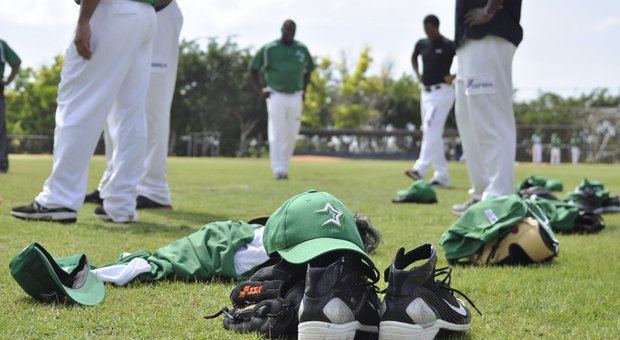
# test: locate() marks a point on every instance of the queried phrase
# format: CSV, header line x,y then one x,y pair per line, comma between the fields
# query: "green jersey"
x,y
150,2
575,141
283,66
537,138
556,141
7,56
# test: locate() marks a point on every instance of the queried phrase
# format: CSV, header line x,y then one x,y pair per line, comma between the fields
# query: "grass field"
x,y
577,296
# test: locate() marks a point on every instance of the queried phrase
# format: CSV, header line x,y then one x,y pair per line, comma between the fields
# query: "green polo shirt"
x,y
7,56
150,2
283,66
556,141
575,141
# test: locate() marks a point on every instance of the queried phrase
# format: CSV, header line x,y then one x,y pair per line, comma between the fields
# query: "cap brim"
x,y
92,292
308,250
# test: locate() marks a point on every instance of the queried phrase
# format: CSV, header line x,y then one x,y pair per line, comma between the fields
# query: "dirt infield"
x,y
317,159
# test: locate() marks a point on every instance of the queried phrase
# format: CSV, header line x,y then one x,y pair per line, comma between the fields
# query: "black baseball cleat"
x,y
37,212
143,202
413,174
100,213
416,305
93,197
340,301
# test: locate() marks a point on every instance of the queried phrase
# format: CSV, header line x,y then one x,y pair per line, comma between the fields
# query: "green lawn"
x,y
577,296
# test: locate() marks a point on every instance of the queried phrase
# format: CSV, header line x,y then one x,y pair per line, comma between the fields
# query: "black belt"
x,y
432,87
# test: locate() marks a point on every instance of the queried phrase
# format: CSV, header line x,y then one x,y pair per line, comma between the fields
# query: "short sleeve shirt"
x,y
575,141
283,66
505,23
7,56
437,56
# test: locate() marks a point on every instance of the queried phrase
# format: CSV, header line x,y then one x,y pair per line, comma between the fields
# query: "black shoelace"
x,y
446,272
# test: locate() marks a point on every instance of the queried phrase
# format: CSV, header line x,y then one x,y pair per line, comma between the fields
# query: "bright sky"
x,y
570,46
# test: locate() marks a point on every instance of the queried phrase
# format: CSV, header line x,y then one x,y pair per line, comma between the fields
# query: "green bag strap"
x,y
541,217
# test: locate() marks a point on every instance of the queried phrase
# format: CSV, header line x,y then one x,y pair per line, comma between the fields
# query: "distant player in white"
x,y
556,154
437,99
575,149
153,189
105,68
285,65
537,148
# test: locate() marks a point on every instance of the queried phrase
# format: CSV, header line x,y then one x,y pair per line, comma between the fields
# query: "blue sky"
x,y
570,46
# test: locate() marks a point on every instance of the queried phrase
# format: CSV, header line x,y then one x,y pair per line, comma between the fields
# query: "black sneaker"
x,y
37,212
609,205
413,174
416,306
340,301
143,202
459,209
93,197
100,212
280,176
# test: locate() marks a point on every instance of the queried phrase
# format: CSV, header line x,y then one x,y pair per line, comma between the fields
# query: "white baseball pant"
x,y
284,112
575,153
537,151
484,114
435,107
555,155
116,76
154,183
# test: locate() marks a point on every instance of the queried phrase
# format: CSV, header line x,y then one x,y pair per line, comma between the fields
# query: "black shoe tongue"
x,y
325,277
404,281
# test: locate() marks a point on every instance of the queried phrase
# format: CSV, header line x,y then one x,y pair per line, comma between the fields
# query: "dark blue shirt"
x,y
505,22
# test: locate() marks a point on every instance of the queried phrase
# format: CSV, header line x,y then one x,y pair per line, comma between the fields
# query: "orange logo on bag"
x,y
250,290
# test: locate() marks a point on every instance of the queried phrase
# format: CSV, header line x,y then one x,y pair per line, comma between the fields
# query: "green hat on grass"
x,y
312,224
419,191
36,271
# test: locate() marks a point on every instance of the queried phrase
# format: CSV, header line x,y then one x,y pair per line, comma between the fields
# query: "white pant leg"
x,y
154,184
277,131
293,123
424,159
537,153
487,77
555,155
575,153
127,126
86,94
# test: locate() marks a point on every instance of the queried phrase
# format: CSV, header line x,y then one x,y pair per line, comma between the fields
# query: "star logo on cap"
x,y
336,216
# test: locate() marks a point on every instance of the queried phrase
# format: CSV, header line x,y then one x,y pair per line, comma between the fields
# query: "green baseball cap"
x,y
311,224
419,191
36,271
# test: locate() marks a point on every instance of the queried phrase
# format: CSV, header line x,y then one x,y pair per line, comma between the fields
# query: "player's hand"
x,y
448,79
82,40
477,16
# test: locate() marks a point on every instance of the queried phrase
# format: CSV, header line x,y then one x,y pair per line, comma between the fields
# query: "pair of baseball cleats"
x,y
340,300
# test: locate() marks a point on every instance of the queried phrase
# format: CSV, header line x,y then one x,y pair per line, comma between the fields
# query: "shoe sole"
x,y
60,217
415,178
104,217
606,210
318,330
394,330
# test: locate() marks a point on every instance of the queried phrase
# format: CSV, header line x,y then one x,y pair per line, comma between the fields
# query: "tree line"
x,y
213,93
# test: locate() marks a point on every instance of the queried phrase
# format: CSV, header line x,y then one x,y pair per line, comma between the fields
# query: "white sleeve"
x,y
252,254
122,274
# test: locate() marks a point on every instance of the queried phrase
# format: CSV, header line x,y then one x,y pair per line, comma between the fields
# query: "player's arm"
x,y
308,72
82,33
256,64
482,15
414,61
14,71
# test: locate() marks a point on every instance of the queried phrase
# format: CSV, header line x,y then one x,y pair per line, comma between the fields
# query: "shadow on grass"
x,y
51,304
195,217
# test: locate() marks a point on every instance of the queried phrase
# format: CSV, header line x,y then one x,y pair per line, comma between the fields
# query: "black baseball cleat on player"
x,y
340,301
416,305
143,202
100,213
413,174
93,197
37,212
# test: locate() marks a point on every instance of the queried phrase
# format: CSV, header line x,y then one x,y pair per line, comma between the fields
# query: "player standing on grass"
x,y
575,149
7,56
486,36
153,189
556,153
537,148
285,65
105,68
437,99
